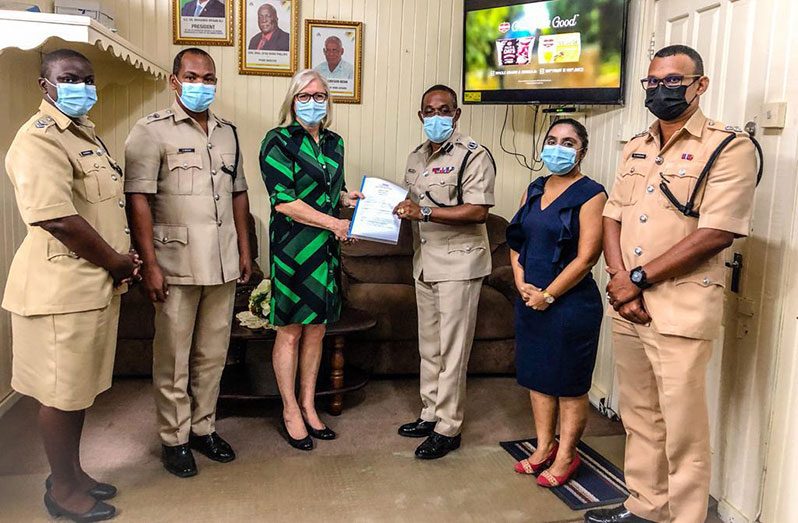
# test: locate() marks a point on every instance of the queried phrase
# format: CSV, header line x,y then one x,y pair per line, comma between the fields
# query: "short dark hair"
x,y
179,57
692,54
443,88
581,130
49,59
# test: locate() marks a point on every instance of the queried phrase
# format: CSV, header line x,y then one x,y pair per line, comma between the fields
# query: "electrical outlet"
x,y
774,115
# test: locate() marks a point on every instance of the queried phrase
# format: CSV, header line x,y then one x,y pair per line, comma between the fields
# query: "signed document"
x,y
373,218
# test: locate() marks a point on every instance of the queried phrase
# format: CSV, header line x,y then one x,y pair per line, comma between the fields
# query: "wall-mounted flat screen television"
x,y
544,51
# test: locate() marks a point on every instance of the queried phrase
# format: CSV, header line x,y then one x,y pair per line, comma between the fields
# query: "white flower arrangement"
x,y
257,317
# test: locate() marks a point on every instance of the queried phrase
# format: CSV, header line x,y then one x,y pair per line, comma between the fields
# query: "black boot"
x,y
618,514
179,460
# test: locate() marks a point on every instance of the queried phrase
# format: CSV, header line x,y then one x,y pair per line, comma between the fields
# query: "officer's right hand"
x,y
154,283
635,311
124,268
341,230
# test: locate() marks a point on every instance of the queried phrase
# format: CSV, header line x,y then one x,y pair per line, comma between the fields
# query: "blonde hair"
x,y
299,82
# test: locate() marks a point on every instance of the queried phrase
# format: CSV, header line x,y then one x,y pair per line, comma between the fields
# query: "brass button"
x,y
210,146
643,218
164,239
185,164
682,172
658,160
97,165
425,173
219,223
632,170
422,197
216,197
121,203
707,281
468,249
114,177
213,172
127,230
638,251
99,152
650,188
423,240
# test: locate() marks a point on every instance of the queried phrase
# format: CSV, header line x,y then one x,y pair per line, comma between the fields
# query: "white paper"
x,y
373,218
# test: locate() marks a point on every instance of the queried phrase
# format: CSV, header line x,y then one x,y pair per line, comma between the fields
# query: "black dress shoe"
x,y
326,433
437,446
212,446
417,429
179,460
99,512
618,514
302,444
101,491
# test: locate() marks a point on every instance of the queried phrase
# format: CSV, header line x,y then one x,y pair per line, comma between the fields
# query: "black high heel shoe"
x,y
99,512
326,433
302,444
100,491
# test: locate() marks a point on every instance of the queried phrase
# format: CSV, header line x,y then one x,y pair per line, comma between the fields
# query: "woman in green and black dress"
x,y
302,164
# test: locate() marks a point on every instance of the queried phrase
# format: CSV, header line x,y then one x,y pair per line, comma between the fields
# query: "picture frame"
x,y
335,49
196,24
268,34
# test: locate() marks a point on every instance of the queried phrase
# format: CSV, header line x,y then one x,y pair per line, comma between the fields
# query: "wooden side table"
x,y
236,383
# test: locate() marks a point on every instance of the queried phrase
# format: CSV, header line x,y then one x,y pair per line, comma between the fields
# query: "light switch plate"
x,y
774,115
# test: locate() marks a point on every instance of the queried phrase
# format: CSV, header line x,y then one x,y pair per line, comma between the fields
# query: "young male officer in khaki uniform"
x,y
189,214
451,180
666,288
65,282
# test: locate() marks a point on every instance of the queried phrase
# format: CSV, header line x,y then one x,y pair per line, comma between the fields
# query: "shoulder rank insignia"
x,y
443,170
472,145
43,122
641,134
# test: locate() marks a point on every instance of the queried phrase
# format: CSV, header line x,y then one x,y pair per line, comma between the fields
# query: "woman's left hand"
x,y
349,199
537,301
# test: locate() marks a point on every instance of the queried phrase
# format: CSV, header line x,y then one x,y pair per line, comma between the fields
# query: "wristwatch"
x,y
548,298
426,212
638,277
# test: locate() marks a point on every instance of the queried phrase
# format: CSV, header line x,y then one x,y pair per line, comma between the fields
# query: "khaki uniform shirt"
x,y
690,305
59,168
450,252
169,156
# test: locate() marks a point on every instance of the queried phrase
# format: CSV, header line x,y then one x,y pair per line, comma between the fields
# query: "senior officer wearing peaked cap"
x,y
667,279
189,212
451,179
65,281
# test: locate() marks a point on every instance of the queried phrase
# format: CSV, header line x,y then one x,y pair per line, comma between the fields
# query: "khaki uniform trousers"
x,y
662,382
192,333
447,318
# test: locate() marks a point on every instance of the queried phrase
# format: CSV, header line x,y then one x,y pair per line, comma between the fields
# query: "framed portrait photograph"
x,y
202,22
335,49
268,37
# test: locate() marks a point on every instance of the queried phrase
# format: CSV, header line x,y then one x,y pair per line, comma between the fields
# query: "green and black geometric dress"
x,y
305,260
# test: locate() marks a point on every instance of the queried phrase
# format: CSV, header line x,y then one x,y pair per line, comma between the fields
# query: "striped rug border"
x,y
574,493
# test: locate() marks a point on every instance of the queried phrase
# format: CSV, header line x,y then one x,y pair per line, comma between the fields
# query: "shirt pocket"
x,y
182,169
443,192
171,249
100,182
681,180
628,186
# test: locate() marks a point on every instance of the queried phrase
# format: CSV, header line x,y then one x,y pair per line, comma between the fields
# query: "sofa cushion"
x,y
494,316
393,305
379,269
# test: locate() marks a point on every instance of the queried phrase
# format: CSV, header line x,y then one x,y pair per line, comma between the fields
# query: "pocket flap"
x,y
89,164
55,249
183,160
705,278
170,234
465,245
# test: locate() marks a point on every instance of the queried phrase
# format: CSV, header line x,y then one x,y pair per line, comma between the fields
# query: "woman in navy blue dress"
x,y
555,240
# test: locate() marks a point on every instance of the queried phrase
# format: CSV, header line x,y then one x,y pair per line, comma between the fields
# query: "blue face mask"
x,y
197,97
438,128
74,100
310,112
558,159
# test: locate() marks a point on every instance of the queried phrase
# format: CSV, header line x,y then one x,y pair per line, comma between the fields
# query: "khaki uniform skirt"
x,y
65,360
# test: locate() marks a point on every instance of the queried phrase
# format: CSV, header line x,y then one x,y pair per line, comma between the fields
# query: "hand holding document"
x,y
373,218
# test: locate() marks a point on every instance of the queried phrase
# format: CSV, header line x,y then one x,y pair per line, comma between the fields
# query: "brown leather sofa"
x,y
378,278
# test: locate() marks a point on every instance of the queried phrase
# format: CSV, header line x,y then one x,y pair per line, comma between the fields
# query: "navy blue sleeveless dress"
x,y
556,348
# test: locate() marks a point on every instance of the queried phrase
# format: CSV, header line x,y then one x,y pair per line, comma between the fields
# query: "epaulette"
x,y
640,134
720,126
160,115
418,148
44,122
224,121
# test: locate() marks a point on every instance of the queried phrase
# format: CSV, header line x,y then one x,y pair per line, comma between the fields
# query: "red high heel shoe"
x,y
549,480
527,467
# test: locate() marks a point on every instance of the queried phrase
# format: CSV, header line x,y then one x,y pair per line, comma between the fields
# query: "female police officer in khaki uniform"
x,y
64,284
